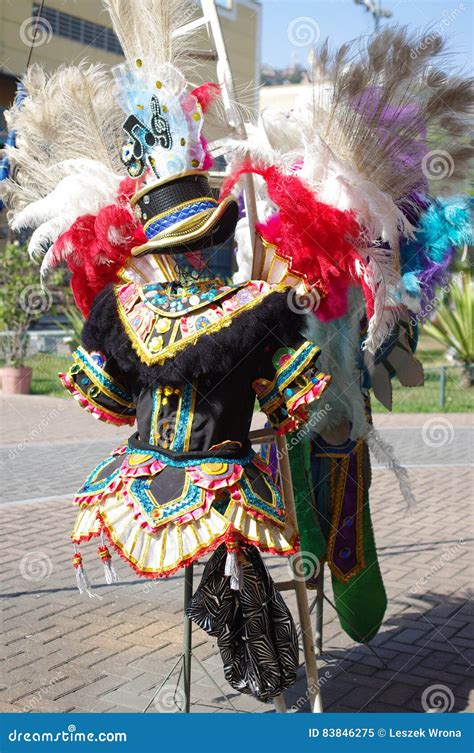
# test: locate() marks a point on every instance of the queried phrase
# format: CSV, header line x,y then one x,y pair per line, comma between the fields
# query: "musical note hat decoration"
x,y
164,146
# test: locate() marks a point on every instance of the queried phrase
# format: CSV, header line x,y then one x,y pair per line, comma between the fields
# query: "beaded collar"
x,y
174,299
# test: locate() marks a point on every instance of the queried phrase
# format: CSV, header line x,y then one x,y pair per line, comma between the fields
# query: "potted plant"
x,y
73,326
22,302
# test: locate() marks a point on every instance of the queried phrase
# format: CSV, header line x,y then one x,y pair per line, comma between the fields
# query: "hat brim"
x,y
212,226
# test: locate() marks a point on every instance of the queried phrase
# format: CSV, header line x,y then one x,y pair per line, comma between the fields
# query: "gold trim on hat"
x,y
177,207
188,230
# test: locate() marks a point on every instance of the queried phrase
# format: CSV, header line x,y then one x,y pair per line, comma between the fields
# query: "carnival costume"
x,y
110,168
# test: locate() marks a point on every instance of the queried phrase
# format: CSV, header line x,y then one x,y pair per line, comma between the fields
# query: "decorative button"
x,y
156,343
214,469
345,553
163,325
136,458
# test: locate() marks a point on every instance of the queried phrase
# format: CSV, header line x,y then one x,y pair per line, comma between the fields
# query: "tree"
x,y
23,300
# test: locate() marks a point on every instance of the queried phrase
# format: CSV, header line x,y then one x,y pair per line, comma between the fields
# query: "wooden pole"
x,y
299,584
235,121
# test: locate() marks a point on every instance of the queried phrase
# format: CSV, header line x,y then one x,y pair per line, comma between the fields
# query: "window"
x,y
80,30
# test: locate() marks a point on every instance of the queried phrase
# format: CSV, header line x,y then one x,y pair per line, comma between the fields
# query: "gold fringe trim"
x,y
171,350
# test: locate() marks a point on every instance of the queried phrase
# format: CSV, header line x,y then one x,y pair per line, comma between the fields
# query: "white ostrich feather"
x,y
86,187
384,454
383,280
68,115
147,29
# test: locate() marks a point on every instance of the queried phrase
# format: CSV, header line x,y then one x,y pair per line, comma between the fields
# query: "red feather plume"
x,y
318,240
96,246
207,94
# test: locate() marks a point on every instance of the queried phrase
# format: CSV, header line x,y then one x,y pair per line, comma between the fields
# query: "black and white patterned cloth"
x,y
255,631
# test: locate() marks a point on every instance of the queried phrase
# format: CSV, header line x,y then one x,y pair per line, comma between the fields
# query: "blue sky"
x,y
342,20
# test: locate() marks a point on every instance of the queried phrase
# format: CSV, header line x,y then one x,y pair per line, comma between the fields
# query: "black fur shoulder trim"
x,y
270,323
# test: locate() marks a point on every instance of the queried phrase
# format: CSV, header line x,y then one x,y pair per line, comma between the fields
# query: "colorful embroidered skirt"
x,y
161,513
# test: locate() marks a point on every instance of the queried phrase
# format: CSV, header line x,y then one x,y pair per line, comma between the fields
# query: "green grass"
x,y
426,399
46,368
429,351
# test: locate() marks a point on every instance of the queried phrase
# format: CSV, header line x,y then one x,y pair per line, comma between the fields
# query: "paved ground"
x,y
65,652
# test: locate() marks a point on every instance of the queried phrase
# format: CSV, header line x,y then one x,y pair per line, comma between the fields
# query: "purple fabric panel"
x,y
345,544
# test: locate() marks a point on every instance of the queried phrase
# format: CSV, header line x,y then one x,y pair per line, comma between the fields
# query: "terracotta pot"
x,y
15,380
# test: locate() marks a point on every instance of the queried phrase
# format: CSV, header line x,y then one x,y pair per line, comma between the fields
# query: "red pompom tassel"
x,y
109,570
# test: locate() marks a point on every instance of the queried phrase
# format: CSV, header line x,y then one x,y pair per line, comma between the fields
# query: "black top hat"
x,y
181,213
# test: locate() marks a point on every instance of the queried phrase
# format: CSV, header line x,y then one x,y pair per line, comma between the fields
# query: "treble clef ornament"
x,y
143,138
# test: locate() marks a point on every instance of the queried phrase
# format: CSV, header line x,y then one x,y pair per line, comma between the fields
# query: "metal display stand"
x,y
182,700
